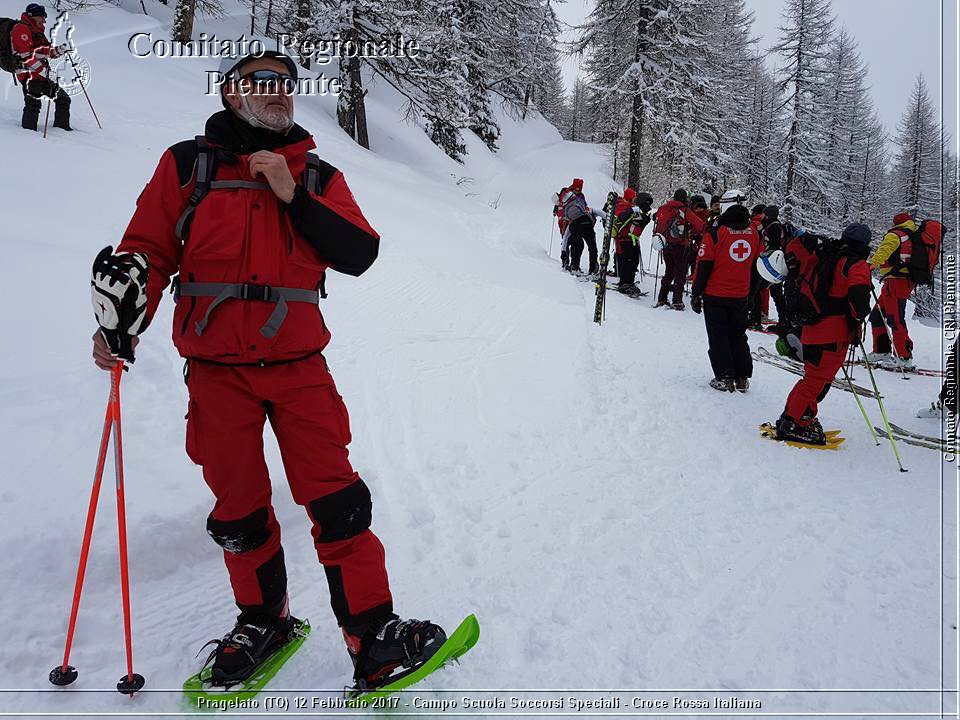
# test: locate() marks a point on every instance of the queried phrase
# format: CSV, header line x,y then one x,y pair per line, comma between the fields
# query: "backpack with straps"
x,y
925,244
8,59
815,279
316,175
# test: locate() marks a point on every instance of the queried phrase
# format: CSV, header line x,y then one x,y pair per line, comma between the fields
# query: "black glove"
x,y
696,303
119,293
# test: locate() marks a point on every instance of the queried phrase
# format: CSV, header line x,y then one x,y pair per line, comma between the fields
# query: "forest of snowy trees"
x,y
687,97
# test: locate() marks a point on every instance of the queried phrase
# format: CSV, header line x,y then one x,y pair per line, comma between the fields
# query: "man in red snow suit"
x,y
33,53
827,339
251,254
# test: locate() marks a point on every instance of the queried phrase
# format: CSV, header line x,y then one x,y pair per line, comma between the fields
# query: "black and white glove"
x,y
119,292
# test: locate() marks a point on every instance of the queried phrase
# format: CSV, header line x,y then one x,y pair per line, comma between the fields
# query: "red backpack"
x,y
922,248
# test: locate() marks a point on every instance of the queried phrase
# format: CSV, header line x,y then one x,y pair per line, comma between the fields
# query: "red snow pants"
x,y
229,406
820,366
892,307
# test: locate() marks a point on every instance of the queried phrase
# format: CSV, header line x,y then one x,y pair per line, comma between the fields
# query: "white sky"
x,y
897,38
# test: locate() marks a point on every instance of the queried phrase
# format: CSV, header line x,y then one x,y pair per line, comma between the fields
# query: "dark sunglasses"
x,y
269,82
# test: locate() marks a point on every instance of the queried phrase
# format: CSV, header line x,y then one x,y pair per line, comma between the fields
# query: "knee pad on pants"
x,y
242,535
343,514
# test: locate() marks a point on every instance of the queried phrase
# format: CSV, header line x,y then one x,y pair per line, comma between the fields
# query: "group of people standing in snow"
x,y
736,259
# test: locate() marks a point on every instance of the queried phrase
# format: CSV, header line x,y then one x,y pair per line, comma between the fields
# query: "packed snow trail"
x,y
611,520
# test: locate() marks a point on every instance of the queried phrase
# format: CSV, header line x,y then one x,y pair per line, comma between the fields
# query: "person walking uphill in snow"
x,y
723,283
580,221
672,227
250,222
33,53
845,297
891,257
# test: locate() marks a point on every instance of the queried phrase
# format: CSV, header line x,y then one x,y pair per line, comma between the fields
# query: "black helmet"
x,y
857,237
35,10
698,201
680,195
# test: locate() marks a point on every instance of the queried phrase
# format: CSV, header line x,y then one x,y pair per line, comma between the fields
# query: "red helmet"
x,y
577,184
901,218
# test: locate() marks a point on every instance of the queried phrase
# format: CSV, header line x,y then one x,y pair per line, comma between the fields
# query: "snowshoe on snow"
x,y
723,384
678,306
630,290
831,438
238,654
397,648
810,434
742,384
458,644
202,686
660,303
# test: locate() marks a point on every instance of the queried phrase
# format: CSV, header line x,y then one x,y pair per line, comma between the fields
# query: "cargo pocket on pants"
x,y
193,434
339,410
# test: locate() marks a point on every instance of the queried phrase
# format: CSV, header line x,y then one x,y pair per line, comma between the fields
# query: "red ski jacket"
x,y
247,236
727,256
848,304
32,49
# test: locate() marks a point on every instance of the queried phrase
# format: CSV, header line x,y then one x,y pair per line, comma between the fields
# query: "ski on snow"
x,y
792,366
919,440
198,688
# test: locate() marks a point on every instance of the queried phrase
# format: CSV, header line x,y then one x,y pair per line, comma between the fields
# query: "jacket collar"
x,y
226,130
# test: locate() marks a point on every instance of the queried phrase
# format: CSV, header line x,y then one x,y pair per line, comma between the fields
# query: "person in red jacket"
x,y
34,52
672,227
724,280
826,341
250,255
631,215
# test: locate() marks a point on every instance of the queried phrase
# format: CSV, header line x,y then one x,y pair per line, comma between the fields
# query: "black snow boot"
x,y
628,289
789,429
241,651
678,306
742,384
405,644
30,119
723,384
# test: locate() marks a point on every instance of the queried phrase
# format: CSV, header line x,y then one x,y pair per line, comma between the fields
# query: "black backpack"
x,y
8,60
815,279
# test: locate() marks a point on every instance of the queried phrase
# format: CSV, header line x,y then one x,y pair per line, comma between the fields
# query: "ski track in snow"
x,y
612,521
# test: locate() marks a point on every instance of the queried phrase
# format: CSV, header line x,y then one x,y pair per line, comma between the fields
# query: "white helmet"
x,y
772,266
732,197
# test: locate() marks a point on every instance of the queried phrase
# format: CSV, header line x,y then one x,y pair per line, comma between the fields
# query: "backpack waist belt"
x,y
248,291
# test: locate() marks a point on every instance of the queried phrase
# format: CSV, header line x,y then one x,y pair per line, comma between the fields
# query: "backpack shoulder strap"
x,y
317,174
205,171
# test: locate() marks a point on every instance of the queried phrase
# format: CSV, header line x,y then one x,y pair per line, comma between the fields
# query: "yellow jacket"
x,y
887,247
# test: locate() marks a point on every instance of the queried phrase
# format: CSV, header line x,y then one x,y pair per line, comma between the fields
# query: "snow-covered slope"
x,y
612,521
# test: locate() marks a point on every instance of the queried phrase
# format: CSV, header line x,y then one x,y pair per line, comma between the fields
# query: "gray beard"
x,y
269,120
